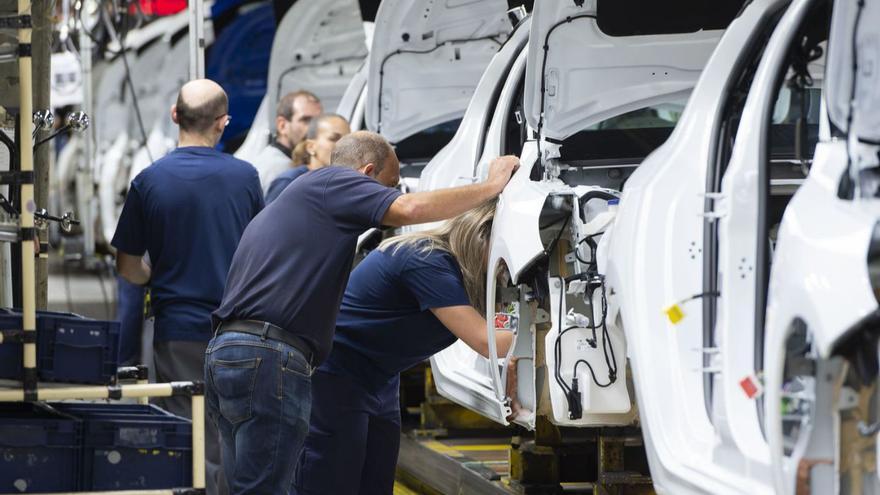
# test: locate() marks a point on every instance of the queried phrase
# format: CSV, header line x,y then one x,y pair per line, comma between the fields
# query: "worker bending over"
x,y
313,152
187,211
407,300
276,321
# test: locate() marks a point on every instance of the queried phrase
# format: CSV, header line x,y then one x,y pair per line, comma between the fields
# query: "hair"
x,y
299,154
198,119
285,104
466,238
360,148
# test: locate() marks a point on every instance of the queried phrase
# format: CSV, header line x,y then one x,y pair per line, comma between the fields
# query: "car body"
x,y
737,272
539,104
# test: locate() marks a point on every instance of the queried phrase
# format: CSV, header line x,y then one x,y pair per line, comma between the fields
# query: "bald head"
x,y
199,105
370,153
360,148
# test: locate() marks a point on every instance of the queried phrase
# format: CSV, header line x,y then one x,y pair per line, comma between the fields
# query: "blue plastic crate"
x,y
39,449
70,348
132,446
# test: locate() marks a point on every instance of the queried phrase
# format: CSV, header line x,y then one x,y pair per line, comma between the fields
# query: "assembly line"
x,y
463,247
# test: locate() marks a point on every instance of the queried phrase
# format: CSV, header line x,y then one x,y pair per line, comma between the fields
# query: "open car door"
x,y
600,103
425,62
318,46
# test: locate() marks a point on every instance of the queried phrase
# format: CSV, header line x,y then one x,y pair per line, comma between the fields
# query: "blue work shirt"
x,y
295,257
188,211
385,324
283,180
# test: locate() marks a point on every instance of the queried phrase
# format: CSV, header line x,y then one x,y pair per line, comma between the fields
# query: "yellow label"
x,y
674,313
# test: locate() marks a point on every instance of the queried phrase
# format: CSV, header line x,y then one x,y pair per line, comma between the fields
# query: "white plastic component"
x,y
606,406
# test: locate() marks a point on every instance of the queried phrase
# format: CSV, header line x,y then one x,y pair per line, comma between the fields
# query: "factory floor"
x,y
82,292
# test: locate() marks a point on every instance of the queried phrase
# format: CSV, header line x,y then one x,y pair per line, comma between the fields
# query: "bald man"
x,y
278,315
188,211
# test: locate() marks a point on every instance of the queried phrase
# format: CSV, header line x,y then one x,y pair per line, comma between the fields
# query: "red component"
x,y
158,8
502,321
749,387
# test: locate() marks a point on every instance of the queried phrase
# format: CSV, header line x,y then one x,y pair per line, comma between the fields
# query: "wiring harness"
x,y
595,281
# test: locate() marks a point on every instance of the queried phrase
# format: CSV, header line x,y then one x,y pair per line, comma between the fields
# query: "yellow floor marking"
x,y
401,489
442,448
465,448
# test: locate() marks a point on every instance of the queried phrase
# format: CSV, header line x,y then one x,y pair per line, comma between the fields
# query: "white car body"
x,y
591,78
694,219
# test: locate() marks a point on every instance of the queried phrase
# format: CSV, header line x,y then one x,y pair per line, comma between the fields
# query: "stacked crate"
x,y
77,446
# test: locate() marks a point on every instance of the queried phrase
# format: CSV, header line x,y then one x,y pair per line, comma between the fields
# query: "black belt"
x,y
266,330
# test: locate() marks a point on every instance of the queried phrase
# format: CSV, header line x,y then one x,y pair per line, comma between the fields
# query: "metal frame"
x,y
29,390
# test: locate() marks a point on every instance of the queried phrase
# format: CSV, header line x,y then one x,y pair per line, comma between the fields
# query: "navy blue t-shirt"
x,y
283,180
295,257
188,211
385,324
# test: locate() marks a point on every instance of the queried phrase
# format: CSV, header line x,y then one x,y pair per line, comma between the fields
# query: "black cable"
x,y
607,348
10,145
52,136
589,240
552,245
310,65
122,32
546,48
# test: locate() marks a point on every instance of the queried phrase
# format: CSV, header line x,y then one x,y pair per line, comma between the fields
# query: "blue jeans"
x,y
354,437
258,392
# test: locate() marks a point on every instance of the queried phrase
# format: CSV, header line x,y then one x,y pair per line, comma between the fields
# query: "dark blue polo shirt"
x,y
385,324
188,211
283,180
295,257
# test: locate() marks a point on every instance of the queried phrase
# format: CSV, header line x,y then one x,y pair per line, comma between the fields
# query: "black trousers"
x,y
353,440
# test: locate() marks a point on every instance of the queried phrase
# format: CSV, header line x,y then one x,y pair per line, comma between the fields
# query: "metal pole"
x,y
85,183
196,39
173,491
94,392
41,36
26,204
198,439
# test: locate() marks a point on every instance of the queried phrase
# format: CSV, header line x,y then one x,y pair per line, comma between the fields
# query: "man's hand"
x,y
501,169
431,206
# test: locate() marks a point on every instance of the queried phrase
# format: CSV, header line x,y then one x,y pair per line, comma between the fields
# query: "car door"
x,y
424,65
598,103
318,46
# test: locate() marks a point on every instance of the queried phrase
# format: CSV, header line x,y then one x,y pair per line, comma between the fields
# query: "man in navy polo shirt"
x,y
276,321
187,211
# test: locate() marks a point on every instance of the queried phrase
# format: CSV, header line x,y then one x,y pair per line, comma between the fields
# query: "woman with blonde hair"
x,y
412,297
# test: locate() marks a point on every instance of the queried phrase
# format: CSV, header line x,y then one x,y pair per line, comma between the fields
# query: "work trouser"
x,y
184,361
258,392
354,437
